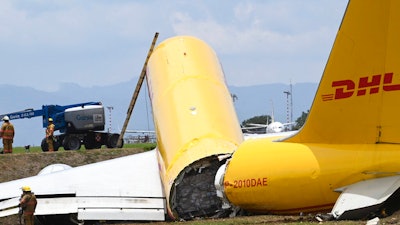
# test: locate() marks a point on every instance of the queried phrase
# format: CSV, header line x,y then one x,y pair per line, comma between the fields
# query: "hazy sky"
x,y
45,43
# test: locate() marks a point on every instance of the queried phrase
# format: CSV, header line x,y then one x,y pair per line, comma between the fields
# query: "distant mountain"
x,y
252,101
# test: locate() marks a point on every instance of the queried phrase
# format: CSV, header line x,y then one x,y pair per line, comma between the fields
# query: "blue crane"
x,y
77,124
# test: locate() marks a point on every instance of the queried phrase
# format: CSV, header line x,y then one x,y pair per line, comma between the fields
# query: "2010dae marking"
x,y
250,182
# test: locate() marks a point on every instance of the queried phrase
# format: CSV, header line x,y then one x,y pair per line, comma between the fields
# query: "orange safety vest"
x,y
7,131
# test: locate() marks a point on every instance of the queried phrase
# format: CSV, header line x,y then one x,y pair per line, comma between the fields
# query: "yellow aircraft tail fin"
x,y
358,97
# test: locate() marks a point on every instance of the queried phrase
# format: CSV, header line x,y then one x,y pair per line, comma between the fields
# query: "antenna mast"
x,y
289,104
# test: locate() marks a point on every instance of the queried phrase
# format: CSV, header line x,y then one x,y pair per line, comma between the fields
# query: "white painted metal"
x,y
281,134
9,207
130,182
365,193
121,214
54,168
71,204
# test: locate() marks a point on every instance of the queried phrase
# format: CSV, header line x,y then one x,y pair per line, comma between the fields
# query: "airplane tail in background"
x,y
357,99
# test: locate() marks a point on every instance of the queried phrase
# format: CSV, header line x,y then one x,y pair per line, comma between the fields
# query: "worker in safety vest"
x,y
50,135
7,133
28,204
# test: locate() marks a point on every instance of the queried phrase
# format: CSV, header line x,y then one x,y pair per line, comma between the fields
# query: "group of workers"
x,y
28,200
7,133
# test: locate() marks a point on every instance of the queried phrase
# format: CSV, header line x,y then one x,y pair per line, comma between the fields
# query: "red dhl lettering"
x,y
248,183
366,85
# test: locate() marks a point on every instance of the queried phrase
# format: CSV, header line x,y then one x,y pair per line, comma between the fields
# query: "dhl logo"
x,y
370,85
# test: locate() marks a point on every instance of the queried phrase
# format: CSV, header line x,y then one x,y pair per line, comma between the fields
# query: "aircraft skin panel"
x,y
351,133
80,180
356,197
185,82
355,101
190,100
89,208
122,214
288,178
126,182
8,207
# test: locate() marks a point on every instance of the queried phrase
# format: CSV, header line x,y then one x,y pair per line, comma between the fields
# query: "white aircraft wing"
x,y
255,125
359,199
267,135
126,188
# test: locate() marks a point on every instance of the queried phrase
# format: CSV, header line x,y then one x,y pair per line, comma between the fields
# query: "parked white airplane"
x,y
273,127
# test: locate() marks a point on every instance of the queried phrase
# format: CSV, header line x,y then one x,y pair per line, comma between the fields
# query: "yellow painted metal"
x,y
352,132
276,177
356,101
193,110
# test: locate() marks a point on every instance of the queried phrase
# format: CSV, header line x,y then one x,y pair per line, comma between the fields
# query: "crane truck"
x,y
77,124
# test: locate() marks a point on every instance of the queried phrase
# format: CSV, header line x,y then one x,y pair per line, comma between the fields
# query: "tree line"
x,y
267,119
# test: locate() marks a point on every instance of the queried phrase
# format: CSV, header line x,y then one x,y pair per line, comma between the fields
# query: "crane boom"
x,y
27,113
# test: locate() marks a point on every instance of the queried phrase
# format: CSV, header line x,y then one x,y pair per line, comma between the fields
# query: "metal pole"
x,y
287,106
136,92
109,111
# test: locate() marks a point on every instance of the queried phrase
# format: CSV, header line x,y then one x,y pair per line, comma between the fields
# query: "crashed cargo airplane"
x,y
202,167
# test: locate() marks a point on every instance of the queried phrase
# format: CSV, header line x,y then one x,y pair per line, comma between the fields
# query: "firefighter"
x,y
7,133
50,135
28,204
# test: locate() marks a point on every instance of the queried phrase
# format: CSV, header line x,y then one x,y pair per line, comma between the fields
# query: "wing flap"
x,y
9,207
99,208
360,199
121,214
129,185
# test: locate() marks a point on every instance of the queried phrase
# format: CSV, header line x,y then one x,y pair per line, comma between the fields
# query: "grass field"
x,y
32,149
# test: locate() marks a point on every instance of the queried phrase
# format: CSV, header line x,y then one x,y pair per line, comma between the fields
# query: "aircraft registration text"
x,y
248,183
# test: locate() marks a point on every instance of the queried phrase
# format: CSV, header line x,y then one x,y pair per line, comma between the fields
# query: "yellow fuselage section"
x,y
193,110
287,178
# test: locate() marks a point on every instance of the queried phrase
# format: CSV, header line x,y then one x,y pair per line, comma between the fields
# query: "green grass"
x,y
145,146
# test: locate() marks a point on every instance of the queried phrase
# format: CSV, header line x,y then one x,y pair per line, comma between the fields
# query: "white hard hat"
x,y
6,118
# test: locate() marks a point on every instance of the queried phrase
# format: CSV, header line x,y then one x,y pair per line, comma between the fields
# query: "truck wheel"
x,y
71,143
113,140
56,144
44,145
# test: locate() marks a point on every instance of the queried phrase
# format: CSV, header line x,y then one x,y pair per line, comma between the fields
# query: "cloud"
x,y
105,42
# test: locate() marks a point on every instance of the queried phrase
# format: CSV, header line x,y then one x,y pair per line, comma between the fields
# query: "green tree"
x,y
301,120
263,119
